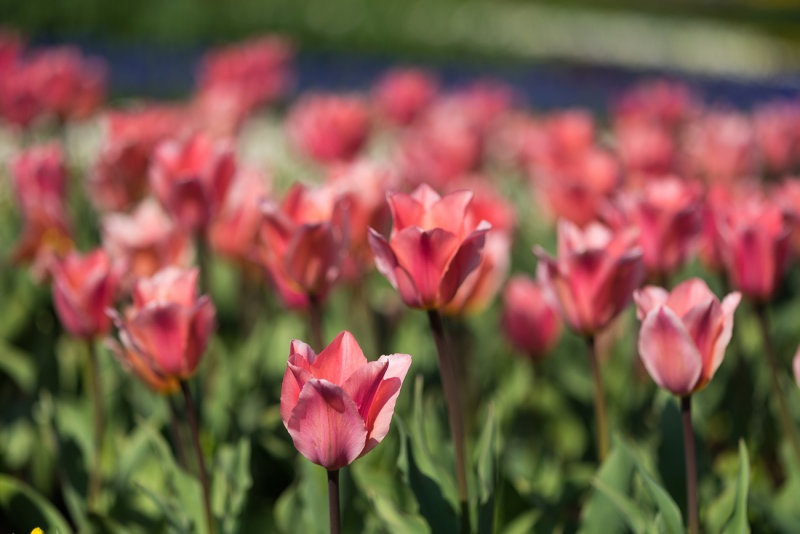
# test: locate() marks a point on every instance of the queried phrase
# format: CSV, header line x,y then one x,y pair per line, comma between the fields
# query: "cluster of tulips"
x,y
413,181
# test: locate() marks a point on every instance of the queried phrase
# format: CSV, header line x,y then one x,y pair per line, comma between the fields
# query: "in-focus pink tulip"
x,y
755,245
402,94
594,274
164,333
433,247
329,128
480,287
530,319
336,405
684,333
119,176
303,242
667,213
191,178
235,231
83,288
146,240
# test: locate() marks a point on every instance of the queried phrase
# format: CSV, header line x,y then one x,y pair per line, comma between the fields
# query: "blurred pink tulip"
x,y
303,242
235,231
10,48
668,103
191,178
83,288
402,94
433,246
119,177
684,334
164,333
146,240
530,319
645,148
796,367
755,245
336,405
719,146
329,128
777,133
594,274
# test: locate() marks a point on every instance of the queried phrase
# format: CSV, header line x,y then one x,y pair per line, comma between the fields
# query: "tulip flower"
x,y
682,343
684,334
592,279
530,320
594,274
796,367
83,288
329,128
720,147
402,94
336,405
433,246
665,102
191,179
164,333
146,240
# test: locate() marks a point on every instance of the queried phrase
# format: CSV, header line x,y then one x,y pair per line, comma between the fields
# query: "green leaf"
x,y
231,483
19,366
670,513
486,466
25,504
738,523
632,512
601,514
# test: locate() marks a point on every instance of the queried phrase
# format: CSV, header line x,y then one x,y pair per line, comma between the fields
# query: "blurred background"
x,y
555,52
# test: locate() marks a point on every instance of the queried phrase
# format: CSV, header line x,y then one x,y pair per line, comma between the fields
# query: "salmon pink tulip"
x,y
336,405
329,128
433,247
594,275
402,94
684,334
530,319
796,367
164,333
83,288
191,178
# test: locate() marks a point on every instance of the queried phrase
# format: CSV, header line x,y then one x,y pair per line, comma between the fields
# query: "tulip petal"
x,y
325,425
448,213
466,259
303,350
340,359
387,264
668,353
203,317
616,287
648,298
406,211
161,330
558,290
425,255
687,295
294,378
796,366
729,305
312,257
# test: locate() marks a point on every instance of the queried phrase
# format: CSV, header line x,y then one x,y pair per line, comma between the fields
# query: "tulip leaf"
x,y
670,513
433,506
601,514
630,510
231,483
487,478
29,507
738,523
19,366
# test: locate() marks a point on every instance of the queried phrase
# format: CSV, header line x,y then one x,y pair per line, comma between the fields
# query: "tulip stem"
x,y
691,464
191,418
601,423
177,435
333,501
783,409
315,317
203,263
98,417
450,386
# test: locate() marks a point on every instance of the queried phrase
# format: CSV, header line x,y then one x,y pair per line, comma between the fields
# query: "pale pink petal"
x,y
668,353
796,366
729,305
448,213
303,350
648,298
387,264
339,360
379,417
203,321
406,211
296,375
689,294
325,425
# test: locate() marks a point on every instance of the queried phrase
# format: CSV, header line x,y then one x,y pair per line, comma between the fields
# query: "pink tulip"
x,y
433,246
796,367
83,288
664,102
594,275
778,135
720,146
337,406
10,49
191,178
402,94
329,128
755,245
146,240
684,334
530,319
303,243
164,333
645,147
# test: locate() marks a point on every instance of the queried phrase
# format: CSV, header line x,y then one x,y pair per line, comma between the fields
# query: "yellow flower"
x,y
37,530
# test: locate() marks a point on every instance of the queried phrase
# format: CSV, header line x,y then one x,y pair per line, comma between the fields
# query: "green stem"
x,y
333,501
601,423
315,321
691,464
450,386
98,418
175,430
783,409
191,418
